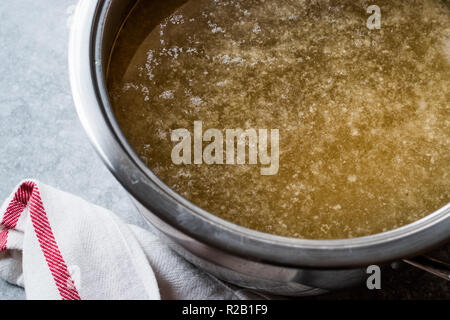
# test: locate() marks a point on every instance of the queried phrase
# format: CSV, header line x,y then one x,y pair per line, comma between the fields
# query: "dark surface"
x,y
402,281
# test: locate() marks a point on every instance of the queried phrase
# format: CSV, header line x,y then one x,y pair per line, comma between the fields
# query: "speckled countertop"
x,y
41,137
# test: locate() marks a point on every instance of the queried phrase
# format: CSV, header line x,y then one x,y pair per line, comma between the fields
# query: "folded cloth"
x,y
58,246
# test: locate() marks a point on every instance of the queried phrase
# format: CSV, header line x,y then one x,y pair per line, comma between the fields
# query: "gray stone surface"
x,y
40,135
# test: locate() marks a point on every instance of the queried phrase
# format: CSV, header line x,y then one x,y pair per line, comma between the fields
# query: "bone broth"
x,y
355,99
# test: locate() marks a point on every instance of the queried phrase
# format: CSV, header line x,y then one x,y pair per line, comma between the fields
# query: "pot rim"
x,y
91,99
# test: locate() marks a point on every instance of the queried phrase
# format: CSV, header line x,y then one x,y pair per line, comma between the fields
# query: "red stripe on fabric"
x,y
28,194
3,238
12,214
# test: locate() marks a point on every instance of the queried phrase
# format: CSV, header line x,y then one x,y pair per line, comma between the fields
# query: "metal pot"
x,y
241,256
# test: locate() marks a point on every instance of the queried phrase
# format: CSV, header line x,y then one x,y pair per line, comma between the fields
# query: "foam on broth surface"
x,y
364,115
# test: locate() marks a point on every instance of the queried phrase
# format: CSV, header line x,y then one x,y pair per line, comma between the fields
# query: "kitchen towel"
x,y
59,246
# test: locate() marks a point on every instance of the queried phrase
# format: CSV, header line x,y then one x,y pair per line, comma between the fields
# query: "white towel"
x,y
58,246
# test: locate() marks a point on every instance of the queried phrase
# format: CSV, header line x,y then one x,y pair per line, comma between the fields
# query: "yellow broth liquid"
x,y
363,115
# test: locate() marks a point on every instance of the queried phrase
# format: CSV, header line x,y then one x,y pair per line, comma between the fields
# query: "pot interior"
x,y
362,133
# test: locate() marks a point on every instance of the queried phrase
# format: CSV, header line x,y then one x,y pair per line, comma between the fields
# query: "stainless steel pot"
x,y
244,257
